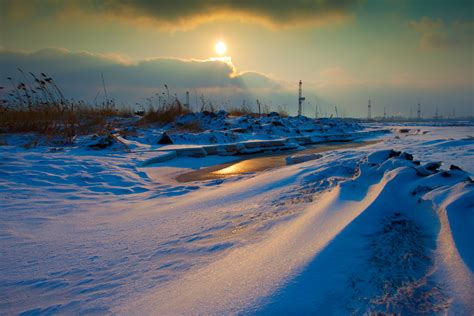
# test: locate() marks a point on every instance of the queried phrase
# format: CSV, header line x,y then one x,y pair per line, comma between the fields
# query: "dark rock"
x,y
432,166
454,167
422,172
445,174
406,156
102,142
277,123
165,139
274,114
239,130
210,114
394,153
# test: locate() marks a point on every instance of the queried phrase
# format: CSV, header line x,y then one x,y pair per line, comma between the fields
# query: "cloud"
x,y
79,74
435,33
187,14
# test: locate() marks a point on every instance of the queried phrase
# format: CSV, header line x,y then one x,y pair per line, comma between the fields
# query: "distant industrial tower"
x,y
300,98
418,112
318,110
369,111
187,99
436,114
384,114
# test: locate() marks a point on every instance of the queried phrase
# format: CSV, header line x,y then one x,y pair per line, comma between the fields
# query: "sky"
x,y
395,53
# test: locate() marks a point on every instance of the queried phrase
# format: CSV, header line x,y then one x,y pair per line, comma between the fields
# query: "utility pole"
x,y
317,106
369,111
300,98
418,112
187,99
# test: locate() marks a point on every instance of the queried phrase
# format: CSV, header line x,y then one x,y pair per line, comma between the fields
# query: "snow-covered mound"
x,y
211,128
195,130
376,242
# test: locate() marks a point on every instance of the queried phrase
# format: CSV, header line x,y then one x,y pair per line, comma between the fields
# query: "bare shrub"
x,y
244,109
283,111
164,114
37,104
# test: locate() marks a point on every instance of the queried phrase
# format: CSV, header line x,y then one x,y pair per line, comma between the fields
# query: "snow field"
x,y
95,232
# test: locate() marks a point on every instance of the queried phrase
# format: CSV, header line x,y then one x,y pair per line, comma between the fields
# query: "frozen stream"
x,y
261,162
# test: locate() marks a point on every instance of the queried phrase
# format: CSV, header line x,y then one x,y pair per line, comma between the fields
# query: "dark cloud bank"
x,y
276,11
185,14
79,75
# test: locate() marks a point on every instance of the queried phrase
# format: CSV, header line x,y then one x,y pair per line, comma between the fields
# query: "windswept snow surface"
x,y
356,231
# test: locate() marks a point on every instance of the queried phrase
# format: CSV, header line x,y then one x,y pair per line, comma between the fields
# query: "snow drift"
x,y
361,230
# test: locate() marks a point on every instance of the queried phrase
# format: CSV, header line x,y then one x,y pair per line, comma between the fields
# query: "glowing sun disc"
x,y
221,48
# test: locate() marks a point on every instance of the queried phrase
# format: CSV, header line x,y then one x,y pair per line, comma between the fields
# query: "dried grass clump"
x,y
244,109
37,104
191,126
164,114
283,111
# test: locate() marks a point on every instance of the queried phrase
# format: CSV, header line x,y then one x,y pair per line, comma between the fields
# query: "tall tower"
x,y
187,99
384,114
418,112
436,114
300,98
369,111
159,100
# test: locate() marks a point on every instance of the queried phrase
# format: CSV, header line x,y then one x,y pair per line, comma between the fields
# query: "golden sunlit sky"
x,y
395,53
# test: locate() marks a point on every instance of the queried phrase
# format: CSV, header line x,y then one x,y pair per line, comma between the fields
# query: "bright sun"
x,y
220,48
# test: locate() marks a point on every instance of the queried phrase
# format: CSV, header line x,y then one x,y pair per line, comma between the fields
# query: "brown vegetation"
x,y
40,106
164,114
191,126
37,104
